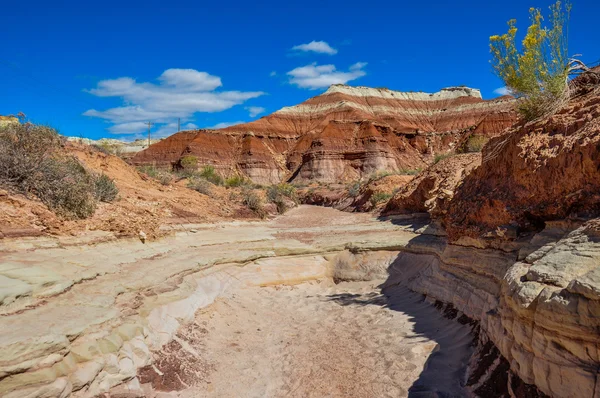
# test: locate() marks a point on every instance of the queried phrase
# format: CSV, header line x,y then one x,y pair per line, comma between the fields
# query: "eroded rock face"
x,y
346,133
544,170
432,190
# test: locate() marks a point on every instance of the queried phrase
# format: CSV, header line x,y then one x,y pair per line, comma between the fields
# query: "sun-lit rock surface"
x,y
343,134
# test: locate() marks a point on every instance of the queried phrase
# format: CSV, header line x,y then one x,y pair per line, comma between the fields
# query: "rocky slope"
x,y
143,204
522,256
544,170
344,134
433,188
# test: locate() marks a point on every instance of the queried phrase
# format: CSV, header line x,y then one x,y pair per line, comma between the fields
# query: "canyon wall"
x,y
343,134
522,252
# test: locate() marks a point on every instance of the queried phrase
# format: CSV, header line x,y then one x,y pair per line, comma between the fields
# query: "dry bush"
x,y
379,197
32,161
277,194
252,201
475,143
67,188
201,185
105,189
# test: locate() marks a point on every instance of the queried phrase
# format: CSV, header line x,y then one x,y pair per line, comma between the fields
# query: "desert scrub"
x,y
538,71
209,173
67,188
108,148
251,200
379,197
164,177
354,189
441,156
277,194
32,161
188,162
236,181
105,189
409,172
475,143
200,184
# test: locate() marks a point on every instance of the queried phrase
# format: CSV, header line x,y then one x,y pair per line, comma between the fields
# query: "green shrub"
x,y
105,189
378,175
200,184
379,197
236,181
164,177
538,72
409,172
189,162
209,173
149,170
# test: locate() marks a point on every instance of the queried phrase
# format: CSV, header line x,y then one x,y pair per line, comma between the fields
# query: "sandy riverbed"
x,y
317,340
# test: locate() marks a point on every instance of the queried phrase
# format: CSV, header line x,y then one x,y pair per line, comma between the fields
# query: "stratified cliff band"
x,y
343,134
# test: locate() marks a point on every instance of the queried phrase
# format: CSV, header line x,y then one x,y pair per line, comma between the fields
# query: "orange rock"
x,y
343,134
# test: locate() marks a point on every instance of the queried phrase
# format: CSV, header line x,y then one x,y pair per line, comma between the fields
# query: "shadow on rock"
x,y
445,370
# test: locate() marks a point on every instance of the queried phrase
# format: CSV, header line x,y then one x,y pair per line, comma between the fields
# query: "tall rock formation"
x,y
343,134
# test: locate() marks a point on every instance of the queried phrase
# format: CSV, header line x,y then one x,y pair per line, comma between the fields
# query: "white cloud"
x,y
502,91
180,93
190,79
317,47
315,76
128,128
273,73
358,66
255,110
222,125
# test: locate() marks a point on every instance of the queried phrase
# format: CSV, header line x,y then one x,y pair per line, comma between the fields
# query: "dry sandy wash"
x,y
325,340
239,309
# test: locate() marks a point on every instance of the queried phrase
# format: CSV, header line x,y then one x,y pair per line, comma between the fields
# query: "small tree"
x,y
537,74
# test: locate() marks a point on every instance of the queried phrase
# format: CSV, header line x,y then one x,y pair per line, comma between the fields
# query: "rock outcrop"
x,y
344,134
433,188
539,171
522,255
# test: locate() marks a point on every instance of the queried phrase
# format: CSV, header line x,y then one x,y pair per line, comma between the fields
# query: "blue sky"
x,y
102,68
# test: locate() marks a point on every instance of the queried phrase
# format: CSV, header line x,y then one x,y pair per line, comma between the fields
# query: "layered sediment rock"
x,y
522,256
343,134
543,170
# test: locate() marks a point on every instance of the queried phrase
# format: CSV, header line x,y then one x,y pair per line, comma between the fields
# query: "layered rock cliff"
x,y
344,134
522,255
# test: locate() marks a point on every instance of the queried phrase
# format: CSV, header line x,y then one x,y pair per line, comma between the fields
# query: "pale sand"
x,y
321,340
